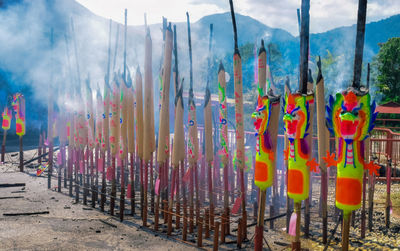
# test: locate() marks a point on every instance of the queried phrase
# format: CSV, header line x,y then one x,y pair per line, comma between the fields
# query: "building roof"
x,y
389,107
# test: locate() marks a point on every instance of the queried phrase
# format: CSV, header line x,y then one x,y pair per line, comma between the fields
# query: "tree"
x,y
388,66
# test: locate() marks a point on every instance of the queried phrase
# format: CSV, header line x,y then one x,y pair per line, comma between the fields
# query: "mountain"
x,y
342,40
29,58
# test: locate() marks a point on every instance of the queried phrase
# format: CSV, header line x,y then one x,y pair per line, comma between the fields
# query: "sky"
x,y
325,14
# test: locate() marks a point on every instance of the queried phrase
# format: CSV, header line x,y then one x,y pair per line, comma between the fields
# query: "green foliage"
x,y
388,70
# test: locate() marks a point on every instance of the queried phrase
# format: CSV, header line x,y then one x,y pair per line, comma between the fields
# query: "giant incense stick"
x,y
62,135
148,117
98,136
193,141
91,133
223,127
105,146
71,144
178,151
139,127
267,120
297,127
105,141
125,102
82,133
208,130
123,152
148,113
262,68
323,146
163,131
367,153
131,137
351,117
89,115
114,136
163,176
50,108
238,83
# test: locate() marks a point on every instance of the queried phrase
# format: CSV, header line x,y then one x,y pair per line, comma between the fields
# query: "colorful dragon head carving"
x,y
296,115
18,105
350,118
263,176
7,116
296,118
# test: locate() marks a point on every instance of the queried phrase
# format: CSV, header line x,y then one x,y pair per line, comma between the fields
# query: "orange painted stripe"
x,y
295,181
348,191
261,171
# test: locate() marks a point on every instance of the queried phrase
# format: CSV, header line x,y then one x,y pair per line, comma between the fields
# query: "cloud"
x,y
325,15
174,10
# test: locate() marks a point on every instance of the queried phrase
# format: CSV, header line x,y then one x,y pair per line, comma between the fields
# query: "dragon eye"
x,y
355,113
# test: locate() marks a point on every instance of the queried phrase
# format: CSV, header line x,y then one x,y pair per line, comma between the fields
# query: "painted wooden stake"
x,y
185,222
92,179
70,167
78,153
178,204
3,147
207,223
200,232
363,211
388,184
216,233
346,230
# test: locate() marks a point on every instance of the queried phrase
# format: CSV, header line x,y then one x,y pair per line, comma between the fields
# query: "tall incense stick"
x,y
240,154
193,141
209,146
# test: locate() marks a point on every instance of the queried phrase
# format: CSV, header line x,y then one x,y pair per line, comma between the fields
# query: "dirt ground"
x,y
67,226
70,226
